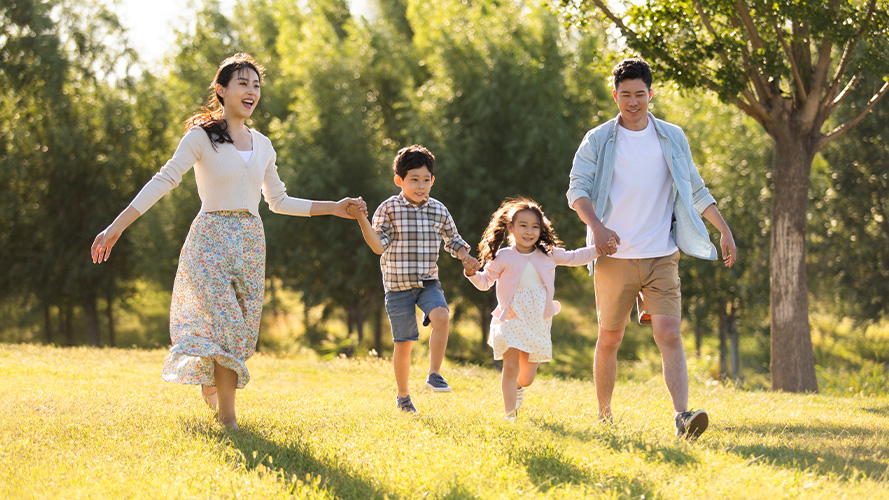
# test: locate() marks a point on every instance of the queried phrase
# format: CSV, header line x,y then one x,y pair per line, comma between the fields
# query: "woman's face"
x,y
241,95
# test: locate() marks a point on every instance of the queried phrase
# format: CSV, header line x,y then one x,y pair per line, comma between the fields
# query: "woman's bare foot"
x,y
230,424
209,395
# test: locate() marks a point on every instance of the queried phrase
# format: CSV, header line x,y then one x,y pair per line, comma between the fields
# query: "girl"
x,y
218,291
525,273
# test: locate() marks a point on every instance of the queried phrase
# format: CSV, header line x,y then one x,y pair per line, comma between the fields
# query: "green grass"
x,y
100,423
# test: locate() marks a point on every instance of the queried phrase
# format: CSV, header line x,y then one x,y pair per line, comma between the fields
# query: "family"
x,y
632,183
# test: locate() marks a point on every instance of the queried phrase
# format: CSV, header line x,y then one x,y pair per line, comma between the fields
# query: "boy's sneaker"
x,y
437,383
691,424
519,397
405,404
510,417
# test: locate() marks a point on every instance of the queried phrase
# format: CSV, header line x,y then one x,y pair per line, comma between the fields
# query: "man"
x,y
633,180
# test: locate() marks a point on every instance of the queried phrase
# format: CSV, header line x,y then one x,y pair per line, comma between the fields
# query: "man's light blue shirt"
x,y
593,170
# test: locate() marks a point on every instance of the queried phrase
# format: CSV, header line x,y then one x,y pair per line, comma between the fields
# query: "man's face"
x,y
632,98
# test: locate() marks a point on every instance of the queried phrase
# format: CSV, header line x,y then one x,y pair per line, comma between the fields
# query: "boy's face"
x,y
416,184
632,97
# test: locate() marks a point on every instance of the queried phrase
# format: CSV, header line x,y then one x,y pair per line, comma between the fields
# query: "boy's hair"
x,y
632,69
412,157
496,232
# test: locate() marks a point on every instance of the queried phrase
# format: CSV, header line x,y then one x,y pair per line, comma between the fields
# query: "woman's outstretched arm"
x,y
101,249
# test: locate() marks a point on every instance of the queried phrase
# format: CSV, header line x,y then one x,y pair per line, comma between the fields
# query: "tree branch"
x,y
794,67
753,72
847,53
833,134
842,95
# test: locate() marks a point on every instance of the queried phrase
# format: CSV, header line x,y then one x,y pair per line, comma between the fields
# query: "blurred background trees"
x,y
502,92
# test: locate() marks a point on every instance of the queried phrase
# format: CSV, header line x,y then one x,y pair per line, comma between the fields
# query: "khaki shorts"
x,y
651,283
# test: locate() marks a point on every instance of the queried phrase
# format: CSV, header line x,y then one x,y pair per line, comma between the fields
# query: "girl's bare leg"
x,y
509,376
527,370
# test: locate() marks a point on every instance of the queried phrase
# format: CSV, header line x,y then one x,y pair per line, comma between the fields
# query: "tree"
x,y
789,65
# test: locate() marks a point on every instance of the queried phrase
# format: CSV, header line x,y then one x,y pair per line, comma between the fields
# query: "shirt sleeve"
x,y
189,151
382,224
485,278
275,193
583,171
452,240
578,257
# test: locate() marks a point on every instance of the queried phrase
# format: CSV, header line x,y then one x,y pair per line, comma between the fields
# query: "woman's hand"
x,y
347,208
105,240
101,249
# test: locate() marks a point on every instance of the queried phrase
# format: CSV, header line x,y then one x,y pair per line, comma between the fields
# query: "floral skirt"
x,y
525,328
217,298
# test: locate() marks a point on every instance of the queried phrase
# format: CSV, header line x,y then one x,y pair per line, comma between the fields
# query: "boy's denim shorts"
x,y
401,307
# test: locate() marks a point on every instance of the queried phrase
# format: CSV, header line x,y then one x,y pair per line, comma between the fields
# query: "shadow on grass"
x,y
878,410
620,440
548,468
294,461
847,462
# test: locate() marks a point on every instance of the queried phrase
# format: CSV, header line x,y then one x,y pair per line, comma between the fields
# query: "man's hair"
x,y
632,69
412,157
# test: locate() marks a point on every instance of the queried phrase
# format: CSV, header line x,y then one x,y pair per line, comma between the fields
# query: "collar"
x,y
616,120
408,203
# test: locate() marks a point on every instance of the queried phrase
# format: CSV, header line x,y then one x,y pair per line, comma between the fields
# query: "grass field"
x,y
100,423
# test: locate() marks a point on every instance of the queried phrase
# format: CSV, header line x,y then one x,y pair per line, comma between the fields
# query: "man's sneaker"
x,y
510,417
437,383
691,424
519,397
405,404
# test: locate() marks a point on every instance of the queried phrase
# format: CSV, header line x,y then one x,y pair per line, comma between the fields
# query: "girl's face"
x,y
525,230
241,95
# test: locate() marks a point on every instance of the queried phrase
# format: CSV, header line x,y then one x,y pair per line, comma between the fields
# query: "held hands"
x,y
355,209
348,208
729,250
606,240
470,264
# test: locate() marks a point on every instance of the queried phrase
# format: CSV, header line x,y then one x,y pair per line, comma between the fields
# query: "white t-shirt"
x,y
641,196
245,155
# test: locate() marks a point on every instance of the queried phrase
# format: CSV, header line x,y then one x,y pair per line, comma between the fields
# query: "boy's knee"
x,y
439,316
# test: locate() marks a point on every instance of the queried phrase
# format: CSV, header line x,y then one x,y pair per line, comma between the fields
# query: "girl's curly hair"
x,y
496,233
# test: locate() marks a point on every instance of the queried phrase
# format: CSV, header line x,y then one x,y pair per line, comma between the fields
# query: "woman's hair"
x,y
210,117
496,232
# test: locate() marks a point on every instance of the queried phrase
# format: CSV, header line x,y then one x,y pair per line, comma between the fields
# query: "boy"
x,y
407,230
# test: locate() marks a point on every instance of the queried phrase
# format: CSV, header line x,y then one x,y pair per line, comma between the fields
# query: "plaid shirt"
x,y
411,236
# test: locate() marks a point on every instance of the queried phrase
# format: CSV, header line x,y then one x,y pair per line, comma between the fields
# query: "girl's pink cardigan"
x,y
507,267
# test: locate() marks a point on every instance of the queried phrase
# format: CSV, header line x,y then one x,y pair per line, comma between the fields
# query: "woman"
x,y
218,291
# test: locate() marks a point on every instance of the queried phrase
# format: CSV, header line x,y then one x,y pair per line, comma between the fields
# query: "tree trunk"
x,y
47,323
699,336
359,319
67,318
91,308
733,337
378,329
484,310
792,357
109,316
